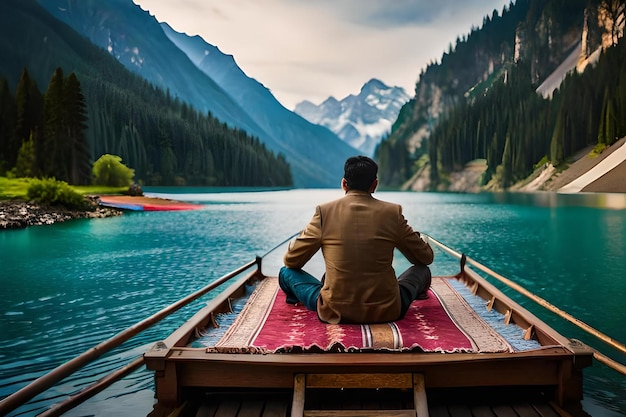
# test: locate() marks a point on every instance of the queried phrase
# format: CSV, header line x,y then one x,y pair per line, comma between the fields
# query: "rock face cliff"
x,y
546,39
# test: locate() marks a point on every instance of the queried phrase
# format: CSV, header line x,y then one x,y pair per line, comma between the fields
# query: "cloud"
x,y
391,14
302,49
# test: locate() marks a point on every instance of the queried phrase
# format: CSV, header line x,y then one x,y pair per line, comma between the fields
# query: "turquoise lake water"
x,y
67,287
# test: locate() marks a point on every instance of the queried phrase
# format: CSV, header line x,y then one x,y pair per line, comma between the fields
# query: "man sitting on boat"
x,y
357,234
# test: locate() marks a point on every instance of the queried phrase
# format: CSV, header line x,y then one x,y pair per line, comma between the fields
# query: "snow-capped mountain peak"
x,y
360,120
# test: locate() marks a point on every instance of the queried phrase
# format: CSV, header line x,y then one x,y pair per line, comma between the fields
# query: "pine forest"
x,y
501,118
166,142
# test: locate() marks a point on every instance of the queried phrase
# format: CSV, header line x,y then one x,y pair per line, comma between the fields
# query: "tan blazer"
x,y
357,235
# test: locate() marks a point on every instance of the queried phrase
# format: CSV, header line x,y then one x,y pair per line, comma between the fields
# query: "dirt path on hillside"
x,y
612,181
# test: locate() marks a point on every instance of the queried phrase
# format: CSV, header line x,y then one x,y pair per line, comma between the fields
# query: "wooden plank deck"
x,y
467,403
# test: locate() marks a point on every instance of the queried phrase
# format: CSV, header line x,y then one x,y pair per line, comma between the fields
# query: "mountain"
x,y
361,120
135,39
315,149
530,88
138,41
163,139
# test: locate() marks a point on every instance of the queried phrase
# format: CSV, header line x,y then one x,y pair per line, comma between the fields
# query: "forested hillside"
x,y
481,102
199,74
165,140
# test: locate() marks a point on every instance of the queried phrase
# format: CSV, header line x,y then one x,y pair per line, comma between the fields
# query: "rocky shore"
x,y
18,214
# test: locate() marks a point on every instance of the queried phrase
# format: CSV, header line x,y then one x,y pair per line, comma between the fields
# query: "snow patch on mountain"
x,y
361,120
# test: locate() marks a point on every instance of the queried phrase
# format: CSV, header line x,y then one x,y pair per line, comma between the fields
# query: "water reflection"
x,y
610,201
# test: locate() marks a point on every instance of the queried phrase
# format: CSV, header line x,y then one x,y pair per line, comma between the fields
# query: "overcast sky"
x,y
314,49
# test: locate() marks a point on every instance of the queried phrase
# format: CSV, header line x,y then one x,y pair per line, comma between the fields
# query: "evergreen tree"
x,y
434,166
608,123
52,152
7,124
507,162
29,116
26,165
556,145
75,115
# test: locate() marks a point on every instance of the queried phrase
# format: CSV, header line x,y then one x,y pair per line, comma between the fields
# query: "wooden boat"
x,y
545,379
535,372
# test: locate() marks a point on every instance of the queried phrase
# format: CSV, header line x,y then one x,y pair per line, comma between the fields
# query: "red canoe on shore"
x,y
142,203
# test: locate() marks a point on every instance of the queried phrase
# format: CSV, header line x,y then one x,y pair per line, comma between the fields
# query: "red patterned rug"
x,y
442,323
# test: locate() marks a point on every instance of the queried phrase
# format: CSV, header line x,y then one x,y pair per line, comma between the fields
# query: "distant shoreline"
x,y
19,214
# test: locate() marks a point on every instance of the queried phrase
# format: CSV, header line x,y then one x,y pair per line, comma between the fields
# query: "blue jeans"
x,y
300,286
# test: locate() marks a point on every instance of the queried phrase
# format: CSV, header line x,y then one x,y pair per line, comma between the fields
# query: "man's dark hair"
x,y
360,172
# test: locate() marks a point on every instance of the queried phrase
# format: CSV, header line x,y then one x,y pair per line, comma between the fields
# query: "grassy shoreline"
x,y
17,188
18,212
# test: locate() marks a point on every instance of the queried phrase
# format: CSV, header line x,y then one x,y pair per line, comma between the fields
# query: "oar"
x,y
542,302
281,244
48,380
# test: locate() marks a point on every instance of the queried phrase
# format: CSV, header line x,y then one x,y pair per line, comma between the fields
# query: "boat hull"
x,y
555,369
